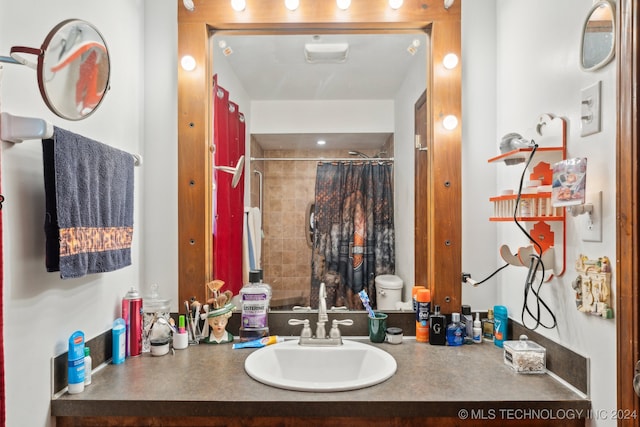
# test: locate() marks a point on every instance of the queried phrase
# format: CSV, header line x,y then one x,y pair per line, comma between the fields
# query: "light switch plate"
x,y
590,109
591,224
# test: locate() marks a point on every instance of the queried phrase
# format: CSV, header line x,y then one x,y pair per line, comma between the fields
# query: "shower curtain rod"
x,y
321,159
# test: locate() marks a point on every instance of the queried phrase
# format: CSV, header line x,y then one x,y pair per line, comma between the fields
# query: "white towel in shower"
x,y
254,225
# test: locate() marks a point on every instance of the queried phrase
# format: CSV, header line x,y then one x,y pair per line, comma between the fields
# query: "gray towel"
x,y
89,205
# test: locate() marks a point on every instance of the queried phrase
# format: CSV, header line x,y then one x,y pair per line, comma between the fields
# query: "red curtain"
x,y
228,202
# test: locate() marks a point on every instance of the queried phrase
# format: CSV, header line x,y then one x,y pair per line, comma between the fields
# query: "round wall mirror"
x,y
598,37
73,68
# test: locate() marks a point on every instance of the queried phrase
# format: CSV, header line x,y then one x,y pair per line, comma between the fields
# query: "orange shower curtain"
x,y
228,202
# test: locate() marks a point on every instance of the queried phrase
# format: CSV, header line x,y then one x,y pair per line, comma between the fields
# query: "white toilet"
x,y
388,291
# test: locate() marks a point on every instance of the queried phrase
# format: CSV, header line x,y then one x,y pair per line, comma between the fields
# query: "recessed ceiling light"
x,y
321,142
326,52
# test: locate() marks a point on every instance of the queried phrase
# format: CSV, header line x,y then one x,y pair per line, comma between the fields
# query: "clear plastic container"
x,y
154,308
525,357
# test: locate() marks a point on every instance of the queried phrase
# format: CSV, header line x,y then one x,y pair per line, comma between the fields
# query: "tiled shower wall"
x,y
288,190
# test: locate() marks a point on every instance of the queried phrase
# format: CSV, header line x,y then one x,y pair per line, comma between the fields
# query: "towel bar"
x,y
17,129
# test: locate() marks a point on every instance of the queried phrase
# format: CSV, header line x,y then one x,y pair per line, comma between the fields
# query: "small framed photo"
x,y
569,182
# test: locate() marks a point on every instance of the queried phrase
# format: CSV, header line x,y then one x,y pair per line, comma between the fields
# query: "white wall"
x,y
322,116
479,143
537,48
536,45
160,168
41,310
404,148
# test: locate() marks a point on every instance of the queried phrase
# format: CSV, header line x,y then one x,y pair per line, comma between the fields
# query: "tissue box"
x,y
525,357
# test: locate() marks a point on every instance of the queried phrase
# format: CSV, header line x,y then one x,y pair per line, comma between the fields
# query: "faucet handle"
x,y
335,332
306,329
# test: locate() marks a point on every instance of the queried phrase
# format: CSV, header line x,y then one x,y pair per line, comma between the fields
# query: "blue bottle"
x,y
500,319
455,331
119,341
75,358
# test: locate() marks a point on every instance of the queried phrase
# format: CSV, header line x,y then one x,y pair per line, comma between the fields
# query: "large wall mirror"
x,y
346,106
427,27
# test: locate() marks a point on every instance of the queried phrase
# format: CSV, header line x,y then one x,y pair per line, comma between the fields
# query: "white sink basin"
x,y
350,366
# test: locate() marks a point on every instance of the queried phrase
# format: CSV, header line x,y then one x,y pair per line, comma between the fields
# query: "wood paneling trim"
x,y
194,183
193,140
627,263
187,421
445,176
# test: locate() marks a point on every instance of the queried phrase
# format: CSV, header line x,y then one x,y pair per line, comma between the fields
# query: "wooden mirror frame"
x,y
443,187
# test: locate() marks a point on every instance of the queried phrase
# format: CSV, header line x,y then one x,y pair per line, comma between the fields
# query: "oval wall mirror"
x,y
73,68
597,47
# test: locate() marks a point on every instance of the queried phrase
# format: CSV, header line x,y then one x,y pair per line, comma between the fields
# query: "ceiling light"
x,y
291,4
413,47
343,4
450,61
395,4
450,122
188,63
238,5
326,52
321,142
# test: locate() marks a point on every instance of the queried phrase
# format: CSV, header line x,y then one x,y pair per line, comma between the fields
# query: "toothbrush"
x,y
365,301
191,320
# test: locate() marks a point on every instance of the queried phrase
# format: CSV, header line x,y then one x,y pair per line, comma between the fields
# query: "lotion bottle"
x,y
75,356
87,366
477,329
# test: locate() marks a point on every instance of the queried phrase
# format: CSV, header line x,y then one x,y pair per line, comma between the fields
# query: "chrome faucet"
x,y
321,338
322,312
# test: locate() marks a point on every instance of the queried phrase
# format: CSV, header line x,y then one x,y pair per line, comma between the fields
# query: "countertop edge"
x,y
555,409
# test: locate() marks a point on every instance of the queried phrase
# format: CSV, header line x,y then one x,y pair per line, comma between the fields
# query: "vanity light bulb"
x,y
343,4
395,4
238,5
450,61
450,122
188,63
291,4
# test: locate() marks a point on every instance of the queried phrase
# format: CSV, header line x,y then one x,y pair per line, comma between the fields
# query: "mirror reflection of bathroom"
x,y
322,143
598,38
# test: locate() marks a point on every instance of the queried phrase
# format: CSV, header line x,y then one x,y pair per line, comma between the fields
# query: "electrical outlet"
x,y
591,224
590,110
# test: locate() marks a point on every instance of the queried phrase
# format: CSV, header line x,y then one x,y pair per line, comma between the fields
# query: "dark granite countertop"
x,y
209,380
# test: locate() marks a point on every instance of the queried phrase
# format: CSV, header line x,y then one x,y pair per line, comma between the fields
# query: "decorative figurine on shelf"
x,y
217,320
218,310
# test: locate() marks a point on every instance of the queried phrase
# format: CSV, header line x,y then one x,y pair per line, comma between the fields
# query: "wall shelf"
x,y
548,228
523,153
